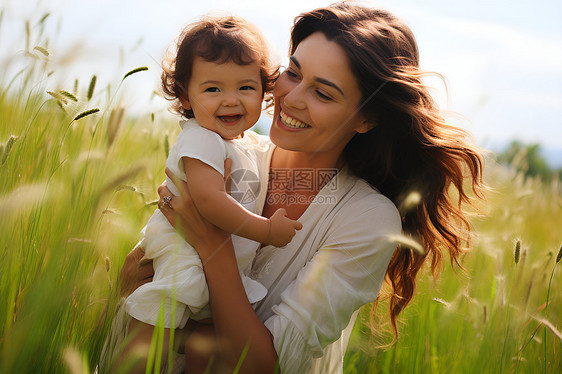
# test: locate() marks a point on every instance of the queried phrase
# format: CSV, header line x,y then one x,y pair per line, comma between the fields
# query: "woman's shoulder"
x,y
365,202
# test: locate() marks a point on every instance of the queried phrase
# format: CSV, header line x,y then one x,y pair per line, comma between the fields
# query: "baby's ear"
x,y
185,103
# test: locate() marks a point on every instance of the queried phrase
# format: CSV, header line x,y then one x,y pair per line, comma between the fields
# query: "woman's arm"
x,y
236,324
206,188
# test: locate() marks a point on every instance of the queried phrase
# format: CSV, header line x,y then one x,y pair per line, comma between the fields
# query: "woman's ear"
x,y
364,127
185,103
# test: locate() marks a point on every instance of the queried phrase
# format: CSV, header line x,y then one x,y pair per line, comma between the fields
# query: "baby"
x,y
218,77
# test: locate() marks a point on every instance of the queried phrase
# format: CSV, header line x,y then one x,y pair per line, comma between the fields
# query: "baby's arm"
x,y
206,186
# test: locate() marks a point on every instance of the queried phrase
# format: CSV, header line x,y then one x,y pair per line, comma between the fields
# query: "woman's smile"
x,y
291,122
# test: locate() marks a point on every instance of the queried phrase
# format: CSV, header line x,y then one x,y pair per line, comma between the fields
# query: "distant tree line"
x,y
529,160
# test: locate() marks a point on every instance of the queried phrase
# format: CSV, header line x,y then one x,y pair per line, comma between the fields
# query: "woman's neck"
x,y
298,173
283,158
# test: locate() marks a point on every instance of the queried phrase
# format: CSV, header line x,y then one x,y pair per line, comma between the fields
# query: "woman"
x,y
351,101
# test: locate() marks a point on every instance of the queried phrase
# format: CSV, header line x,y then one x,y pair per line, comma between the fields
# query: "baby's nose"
x,y
231,99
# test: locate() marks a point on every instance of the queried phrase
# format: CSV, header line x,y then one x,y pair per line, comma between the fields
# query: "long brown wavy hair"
x,y
410,151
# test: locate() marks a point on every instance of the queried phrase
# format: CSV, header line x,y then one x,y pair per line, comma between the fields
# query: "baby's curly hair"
x,y
215,39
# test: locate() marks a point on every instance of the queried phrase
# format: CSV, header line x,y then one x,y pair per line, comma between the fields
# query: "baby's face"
x,y
226,98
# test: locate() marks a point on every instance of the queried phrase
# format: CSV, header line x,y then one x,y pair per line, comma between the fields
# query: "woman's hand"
x,y
181,212
135,272
235,323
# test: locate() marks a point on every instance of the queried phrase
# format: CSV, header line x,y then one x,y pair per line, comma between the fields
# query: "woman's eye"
x,y
323,96
246,88
212,89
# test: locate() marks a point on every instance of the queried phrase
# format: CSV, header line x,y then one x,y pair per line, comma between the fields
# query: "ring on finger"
x,y
166,201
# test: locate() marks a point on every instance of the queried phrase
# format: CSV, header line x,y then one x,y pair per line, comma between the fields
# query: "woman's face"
x,y
316,100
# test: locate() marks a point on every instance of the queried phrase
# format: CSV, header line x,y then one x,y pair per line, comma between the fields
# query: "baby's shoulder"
x,y
194,129
192,134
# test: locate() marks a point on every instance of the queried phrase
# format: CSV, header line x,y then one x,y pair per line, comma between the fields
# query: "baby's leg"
x,y
135,354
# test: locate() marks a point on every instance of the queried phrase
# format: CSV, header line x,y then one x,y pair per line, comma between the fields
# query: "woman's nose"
x,y
294,98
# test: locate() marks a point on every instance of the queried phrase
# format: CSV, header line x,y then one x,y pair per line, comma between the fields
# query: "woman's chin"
x,y
282,139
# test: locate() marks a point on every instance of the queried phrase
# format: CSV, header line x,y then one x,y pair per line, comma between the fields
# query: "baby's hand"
x,y
282,228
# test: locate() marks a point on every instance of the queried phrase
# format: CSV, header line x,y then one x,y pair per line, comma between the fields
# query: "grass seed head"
x,y
559,256
115,120
8,148
21,199
134,71
406,242
42,50
442,302
27,34
86,113
69,95
411,201
44,18
166,145
58,96
517,251
73,360
125,187
107,264
91,87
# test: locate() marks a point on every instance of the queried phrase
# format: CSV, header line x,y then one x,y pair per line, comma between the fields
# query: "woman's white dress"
x,y
331,268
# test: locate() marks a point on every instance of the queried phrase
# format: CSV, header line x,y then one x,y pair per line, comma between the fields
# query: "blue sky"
x,y
502,59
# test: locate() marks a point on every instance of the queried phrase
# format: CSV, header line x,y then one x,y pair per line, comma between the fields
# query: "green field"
x,y
76,192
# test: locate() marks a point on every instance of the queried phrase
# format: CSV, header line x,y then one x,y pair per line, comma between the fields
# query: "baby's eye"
x,y
212,89
246,88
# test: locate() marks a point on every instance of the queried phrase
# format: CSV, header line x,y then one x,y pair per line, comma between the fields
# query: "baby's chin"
x,y
226,136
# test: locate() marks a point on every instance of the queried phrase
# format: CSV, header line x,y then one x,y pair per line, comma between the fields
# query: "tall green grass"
x,y
487,320
75,193
77,186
